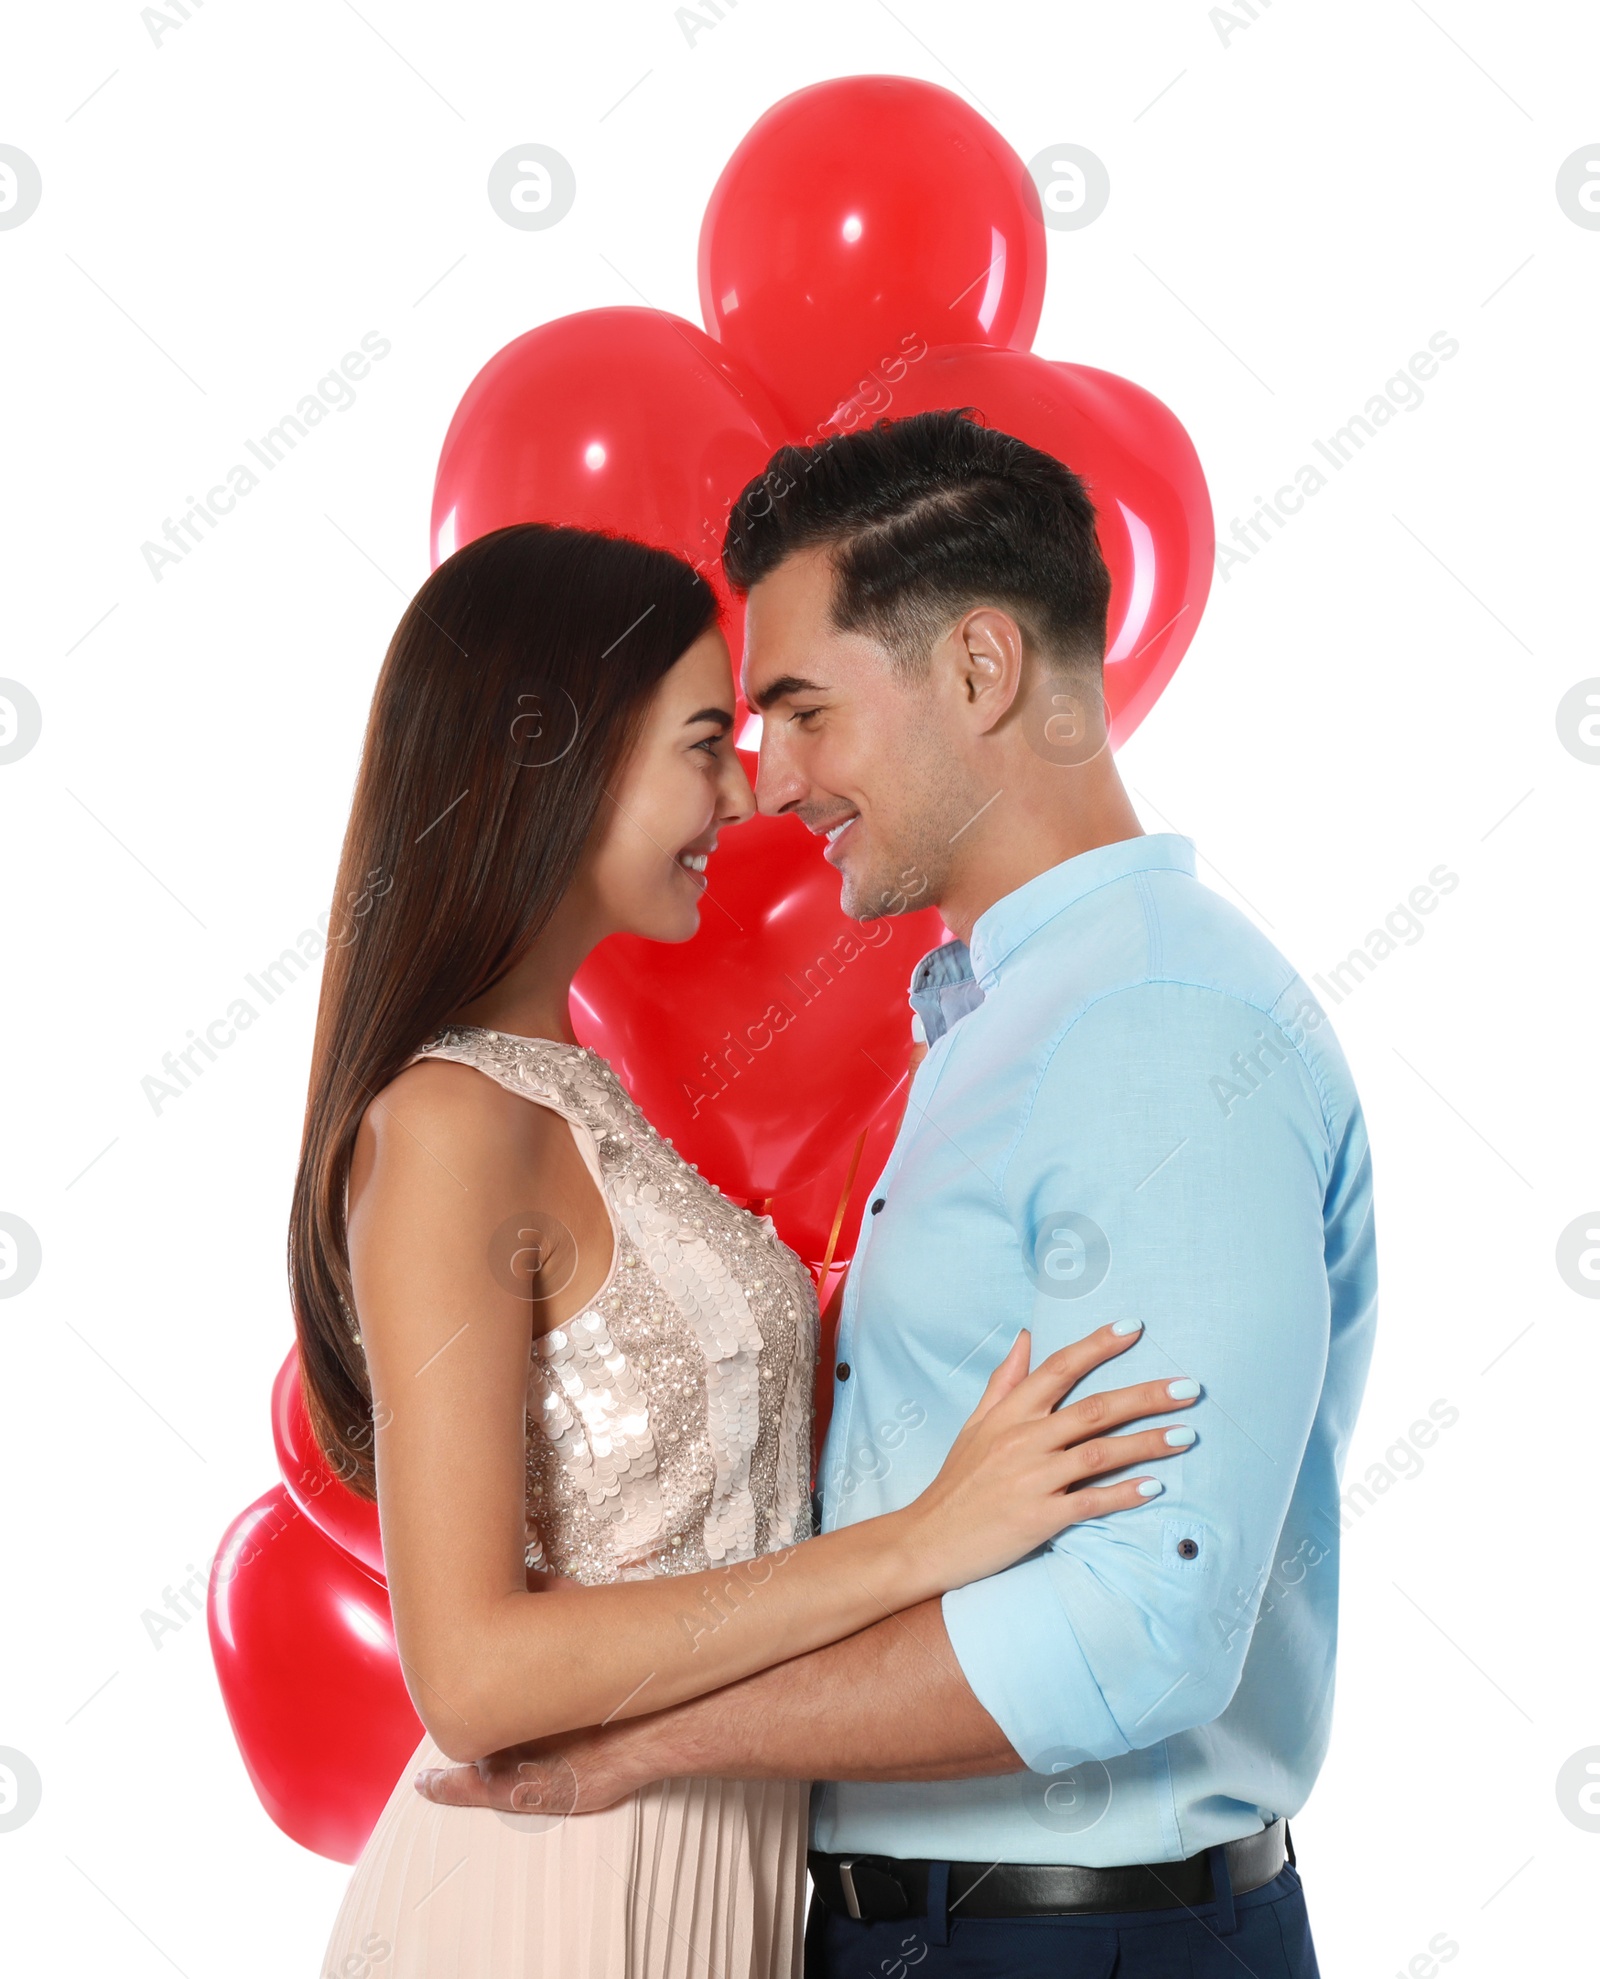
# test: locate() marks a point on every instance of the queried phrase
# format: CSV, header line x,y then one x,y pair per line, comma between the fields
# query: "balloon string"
x,y
838,1214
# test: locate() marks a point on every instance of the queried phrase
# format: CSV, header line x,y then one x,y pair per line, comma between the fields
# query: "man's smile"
x,y
835,834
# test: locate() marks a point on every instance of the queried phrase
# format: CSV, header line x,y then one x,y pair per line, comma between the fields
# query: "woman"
x,y
575,1377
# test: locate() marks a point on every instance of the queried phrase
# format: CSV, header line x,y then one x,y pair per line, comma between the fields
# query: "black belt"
x,y
879,1888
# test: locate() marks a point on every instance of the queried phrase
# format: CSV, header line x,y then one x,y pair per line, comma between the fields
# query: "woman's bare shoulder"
x,y
448,1124
449,1166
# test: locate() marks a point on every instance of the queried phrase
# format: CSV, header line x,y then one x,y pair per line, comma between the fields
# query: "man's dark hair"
x,y
925,517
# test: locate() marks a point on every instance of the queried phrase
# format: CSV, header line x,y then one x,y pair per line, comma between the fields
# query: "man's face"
x,y
871,757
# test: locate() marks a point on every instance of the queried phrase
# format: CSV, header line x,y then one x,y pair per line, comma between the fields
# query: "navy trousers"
x,y
1261,1935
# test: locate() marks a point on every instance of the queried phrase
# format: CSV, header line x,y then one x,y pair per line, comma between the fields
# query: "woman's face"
x,y
659,819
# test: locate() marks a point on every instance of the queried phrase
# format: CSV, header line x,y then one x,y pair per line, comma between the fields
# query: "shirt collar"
x,y
943,989
999,932
950,981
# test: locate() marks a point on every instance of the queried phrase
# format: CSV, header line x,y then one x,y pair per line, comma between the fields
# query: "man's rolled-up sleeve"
x,y
1171,1168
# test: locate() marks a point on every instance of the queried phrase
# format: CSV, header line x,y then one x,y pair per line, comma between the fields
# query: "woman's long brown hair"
x,y
512,689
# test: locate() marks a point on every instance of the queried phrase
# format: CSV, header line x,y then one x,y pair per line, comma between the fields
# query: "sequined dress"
x,y
668,1431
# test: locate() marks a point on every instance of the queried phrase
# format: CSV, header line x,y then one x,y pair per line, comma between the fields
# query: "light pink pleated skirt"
x,y
689,1879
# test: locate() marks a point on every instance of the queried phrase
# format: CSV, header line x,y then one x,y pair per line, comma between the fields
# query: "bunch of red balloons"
x,y
873,248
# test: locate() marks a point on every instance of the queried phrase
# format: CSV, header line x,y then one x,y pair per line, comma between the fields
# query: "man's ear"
x,y
990,659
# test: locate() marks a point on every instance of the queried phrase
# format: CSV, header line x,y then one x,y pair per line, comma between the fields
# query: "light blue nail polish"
x,y
1126,1326
1183,1391
1149,1487
1180,1437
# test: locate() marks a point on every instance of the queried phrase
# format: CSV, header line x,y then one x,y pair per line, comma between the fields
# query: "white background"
x,y
1297,204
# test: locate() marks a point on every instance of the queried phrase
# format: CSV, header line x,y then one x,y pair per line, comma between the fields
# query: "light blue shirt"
x,y
1132,1106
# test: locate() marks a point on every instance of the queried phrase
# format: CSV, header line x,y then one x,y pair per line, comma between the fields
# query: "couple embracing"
x,y
1040,1694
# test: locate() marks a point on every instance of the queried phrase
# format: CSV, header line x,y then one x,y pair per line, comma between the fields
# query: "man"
x,y
1131,1106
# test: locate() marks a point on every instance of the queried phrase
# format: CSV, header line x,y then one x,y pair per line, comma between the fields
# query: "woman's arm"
x,y
889,1703
445,1160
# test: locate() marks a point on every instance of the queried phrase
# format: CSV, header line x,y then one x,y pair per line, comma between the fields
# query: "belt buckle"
x,y
847,1883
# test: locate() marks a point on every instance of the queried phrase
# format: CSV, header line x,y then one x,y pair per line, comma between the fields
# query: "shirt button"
x,y
843,1370
1187,1549
877,1205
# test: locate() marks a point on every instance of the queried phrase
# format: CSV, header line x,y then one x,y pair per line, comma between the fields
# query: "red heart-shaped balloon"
x,y
304,1646
861,217
350,1522
630,421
